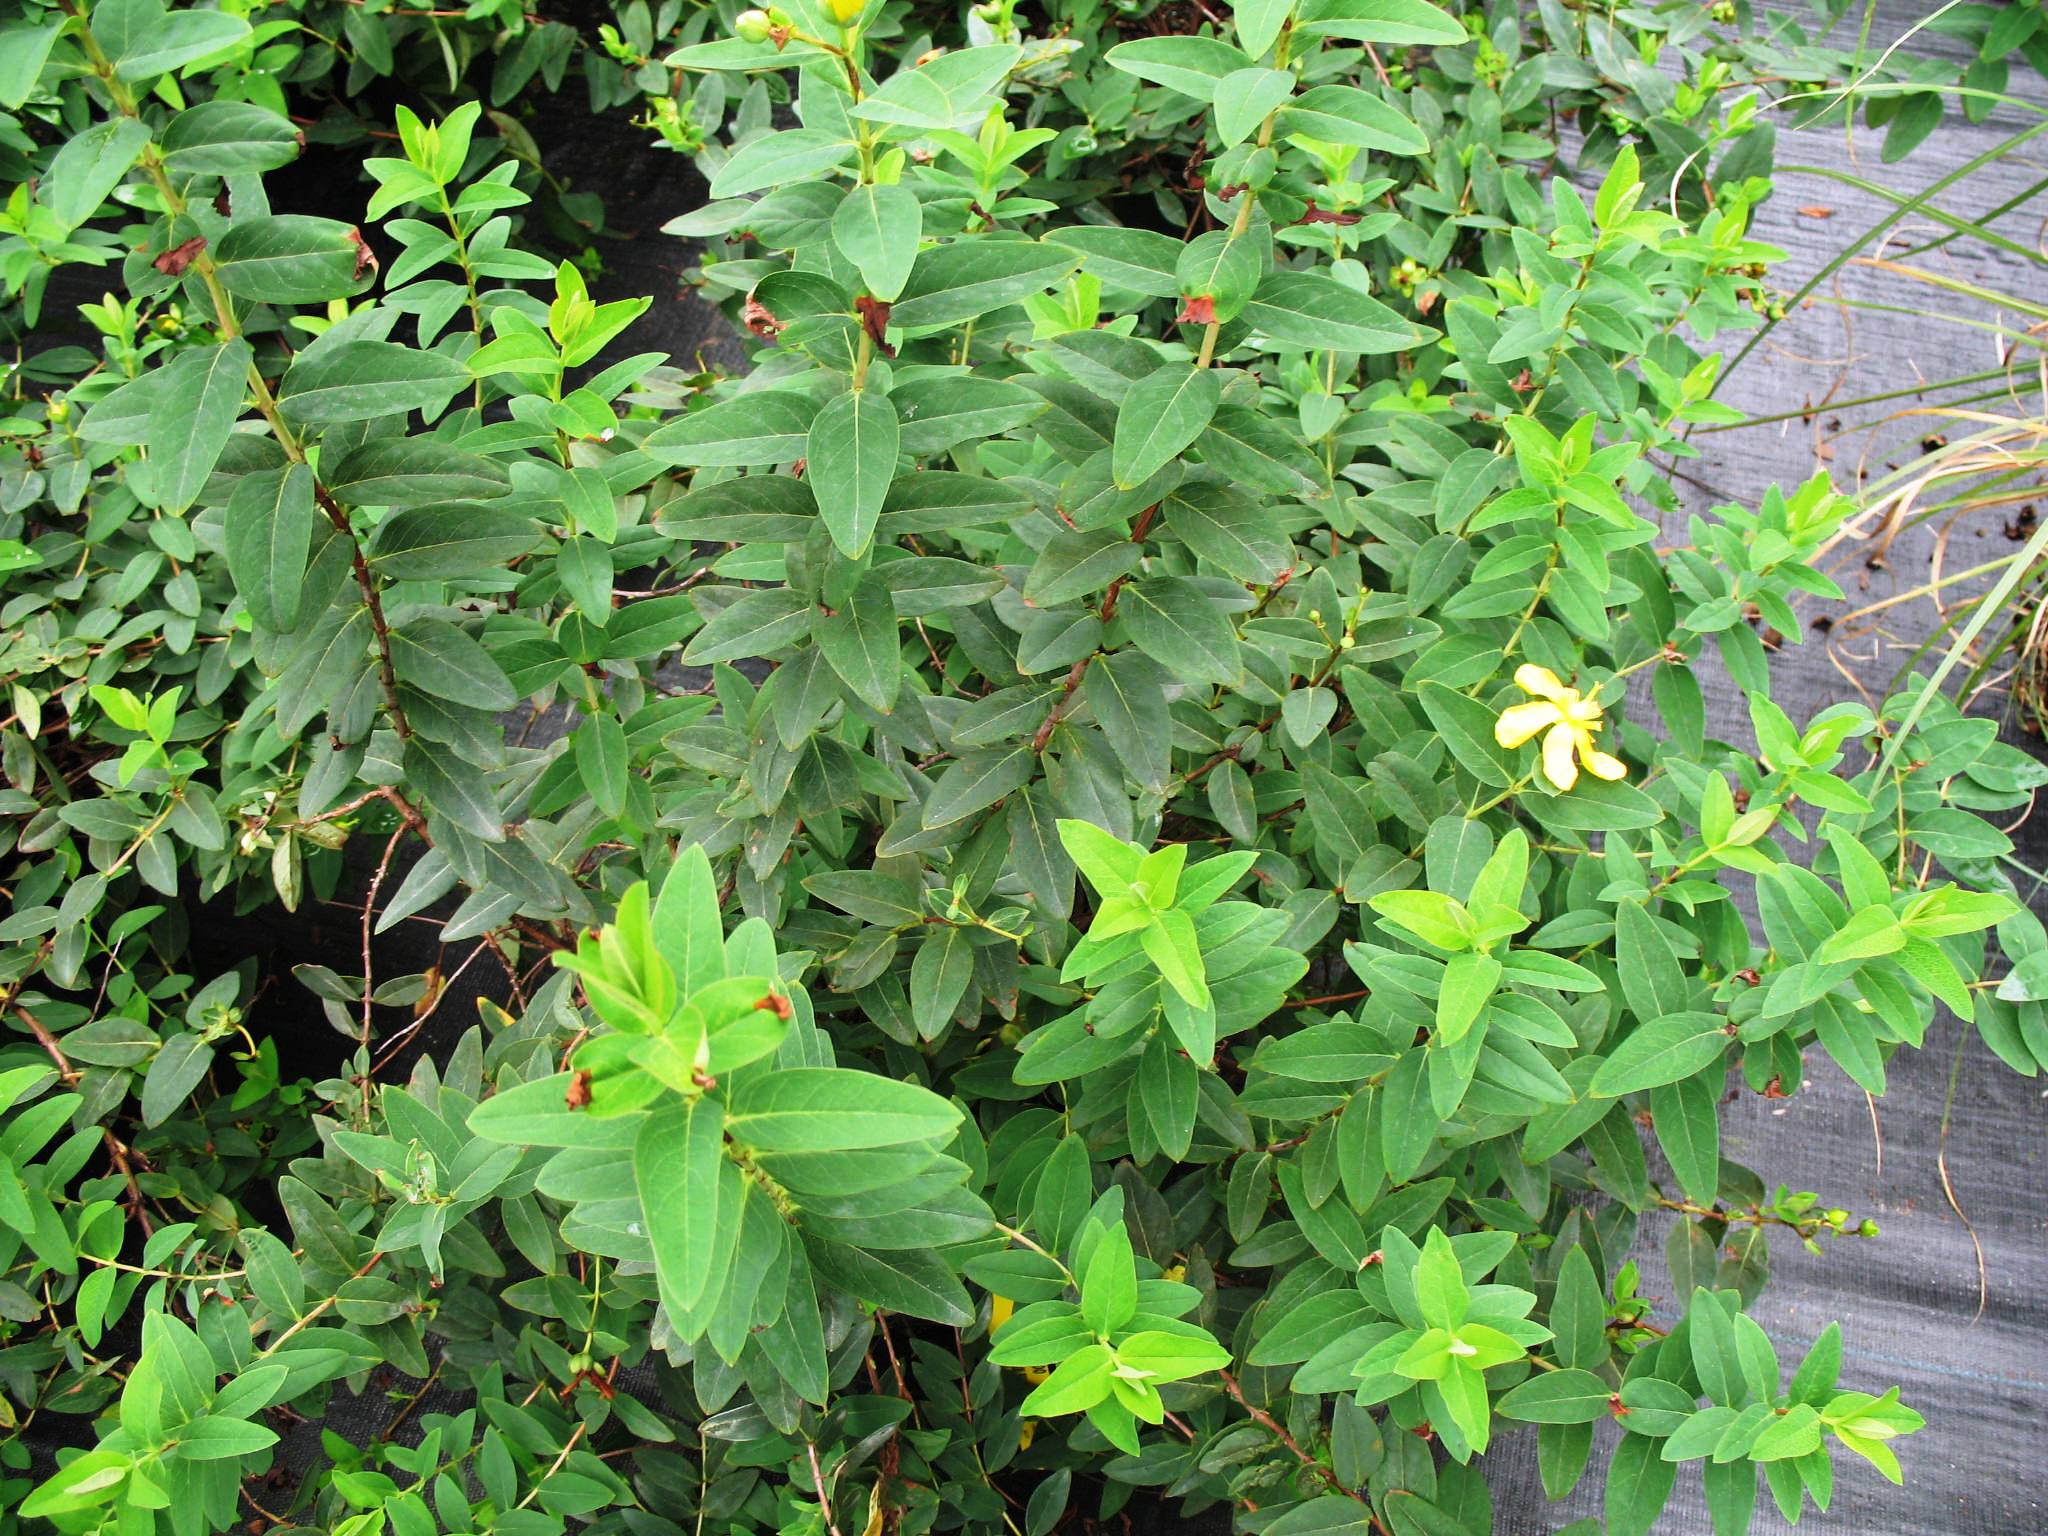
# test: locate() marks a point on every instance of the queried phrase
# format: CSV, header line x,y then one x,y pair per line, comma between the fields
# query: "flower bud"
x,y
1868,1229
752,26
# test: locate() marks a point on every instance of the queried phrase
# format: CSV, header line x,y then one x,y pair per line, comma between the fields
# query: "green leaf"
x,y
1344,114
938,413
432,543
294,258
454,791
1663,1050
176,39
780,159
829,1109
1466,726
1126,695
851,452
174,1072
24,50
1190,65
362,380
1314,310
411,472
757,623
972,278
1639,1482
912,1282
436,657
1164,412
976,782
1257,23
268,530
1174,621
89,166
1243,99
1140,260
222,1439
602,761
763,426
939,978
1400,22
877,229
860,642
943,91
227,138
678,1161
1685,1116
1557,1397
1651,980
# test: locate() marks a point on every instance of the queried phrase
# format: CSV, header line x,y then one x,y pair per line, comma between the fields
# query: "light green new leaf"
x,y
678,1158
852,452
687,928
1469,980
1079,1382
1170,944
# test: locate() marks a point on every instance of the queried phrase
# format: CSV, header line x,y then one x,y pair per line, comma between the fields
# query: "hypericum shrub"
x,y
1143,964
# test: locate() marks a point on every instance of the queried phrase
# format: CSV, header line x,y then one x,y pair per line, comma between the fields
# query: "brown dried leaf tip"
x,y
172,263
578,1096
874,319
366,259
761,320
1197,309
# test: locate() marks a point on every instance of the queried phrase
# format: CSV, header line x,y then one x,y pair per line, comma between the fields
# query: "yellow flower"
x,y
1026,1433
1570,722
999,1310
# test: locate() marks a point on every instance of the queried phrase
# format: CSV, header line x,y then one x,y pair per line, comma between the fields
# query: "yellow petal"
x,y
999,1310
1542,683
1602,766
1559,766
1519,722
